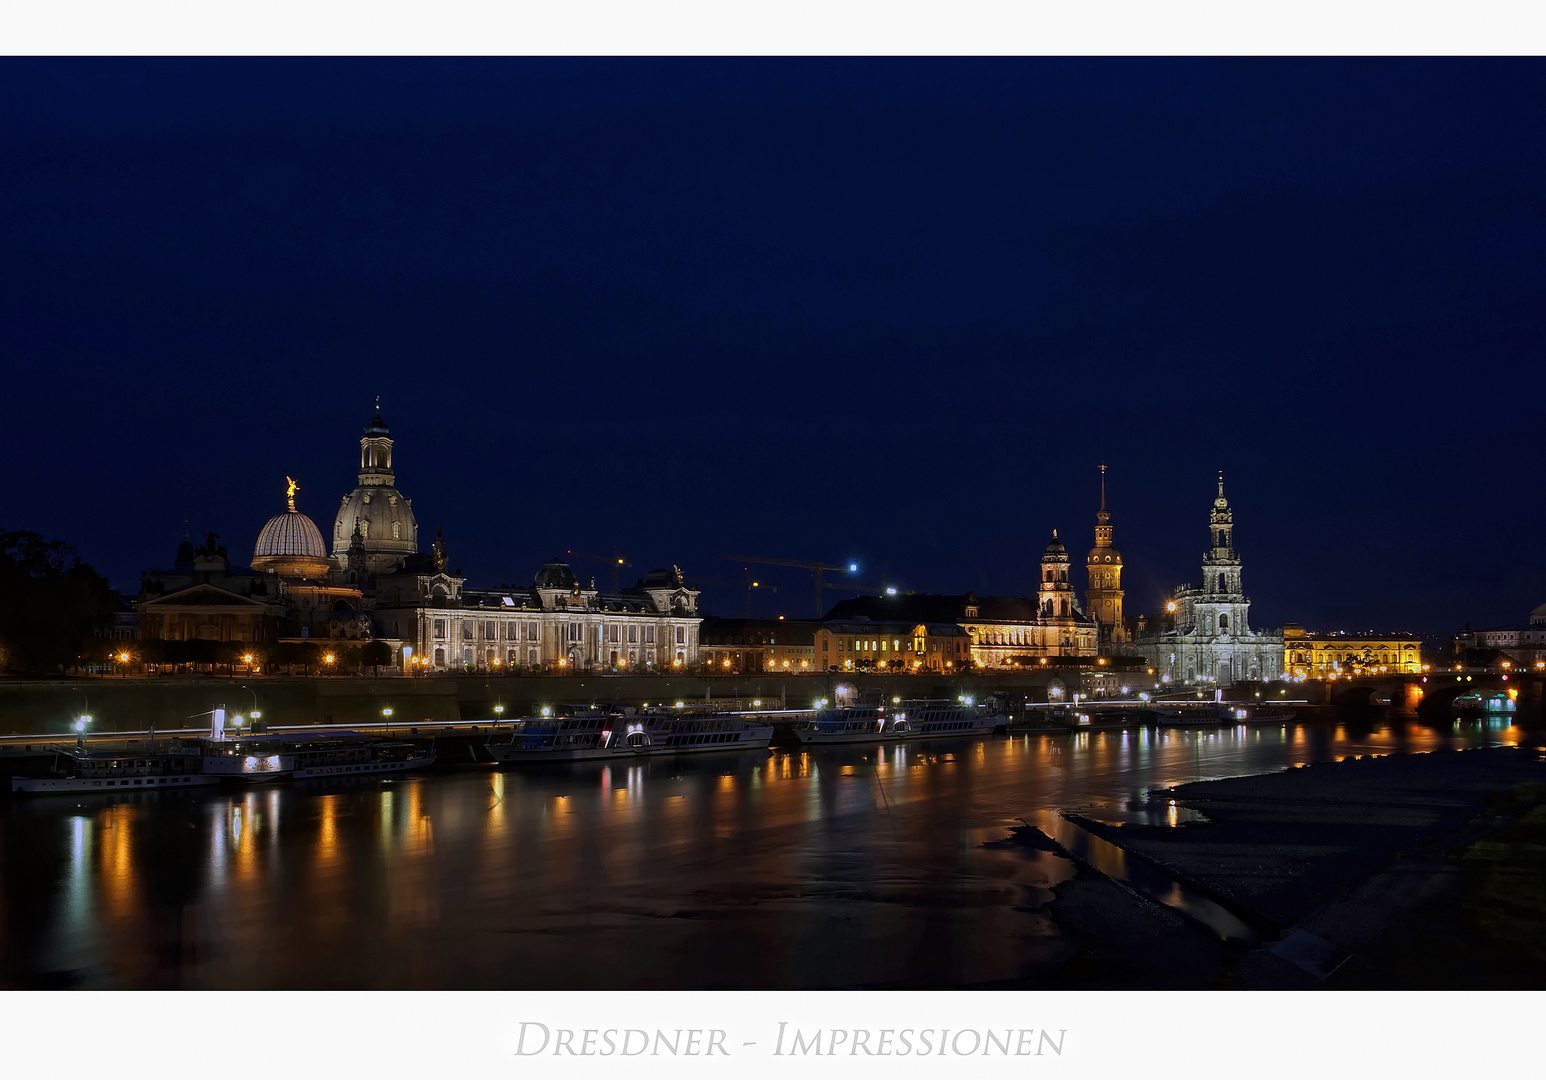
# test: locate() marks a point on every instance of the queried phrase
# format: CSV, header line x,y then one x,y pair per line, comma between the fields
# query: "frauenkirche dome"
x,y
388,531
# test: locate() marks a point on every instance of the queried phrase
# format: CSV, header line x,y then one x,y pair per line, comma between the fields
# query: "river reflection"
x,y
849,866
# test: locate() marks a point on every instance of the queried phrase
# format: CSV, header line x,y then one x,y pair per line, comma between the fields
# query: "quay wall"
x,y
50,706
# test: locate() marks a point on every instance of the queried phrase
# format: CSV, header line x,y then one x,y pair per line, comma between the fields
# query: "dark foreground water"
x,y
755,870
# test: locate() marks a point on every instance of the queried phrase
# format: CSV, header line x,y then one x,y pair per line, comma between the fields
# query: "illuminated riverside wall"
x,y
49,706
29,706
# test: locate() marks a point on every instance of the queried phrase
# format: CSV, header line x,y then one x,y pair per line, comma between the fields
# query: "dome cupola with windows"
x,y
388,531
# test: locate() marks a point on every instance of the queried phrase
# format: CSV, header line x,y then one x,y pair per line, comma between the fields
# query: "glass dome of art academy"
x,y
388,531
290,544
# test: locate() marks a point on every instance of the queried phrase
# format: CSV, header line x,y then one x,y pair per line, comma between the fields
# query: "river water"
x,y
851,866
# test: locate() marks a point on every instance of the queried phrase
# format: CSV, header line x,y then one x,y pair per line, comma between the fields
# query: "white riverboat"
x,y
859,724
943,719
603,736
349,759
81,772
247,761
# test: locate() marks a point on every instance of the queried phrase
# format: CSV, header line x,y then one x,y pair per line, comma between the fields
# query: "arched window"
x,y
1221,583
397,530
1223,623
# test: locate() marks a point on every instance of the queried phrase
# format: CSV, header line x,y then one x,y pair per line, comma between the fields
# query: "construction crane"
x,y
616,559
746,583
816,569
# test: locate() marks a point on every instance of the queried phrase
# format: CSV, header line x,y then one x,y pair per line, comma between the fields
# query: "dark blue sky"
x,y
891,311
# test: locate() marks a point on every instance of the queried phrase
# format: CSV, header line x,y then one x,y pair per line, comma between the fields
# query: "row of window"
x,y
512,657
1356,658
531,631
397,530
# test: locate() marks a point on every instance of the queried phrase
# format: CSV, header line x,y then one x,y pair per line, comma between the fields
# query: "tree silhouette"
x,y
51,603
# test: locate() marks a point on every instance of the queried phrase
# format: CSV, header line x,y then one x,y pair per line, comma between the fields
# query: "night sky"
x,y
886,311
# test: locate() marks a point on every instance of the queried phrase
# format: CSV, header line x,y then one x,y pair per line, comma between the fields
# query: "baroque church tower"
x,y
1220,605
1054,595
1104,567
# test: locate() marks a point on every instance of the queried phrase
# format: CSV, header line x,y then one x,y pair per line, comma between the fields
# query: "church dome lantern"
x,y
389,533
290,544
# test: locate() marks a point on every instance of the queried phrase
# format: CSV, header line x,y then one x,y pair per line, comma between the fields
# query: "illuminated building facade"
x,y
376,584
749,646
1207,639
434,622
1328,656
558,624
859,644
1516,646
1103,570
990,633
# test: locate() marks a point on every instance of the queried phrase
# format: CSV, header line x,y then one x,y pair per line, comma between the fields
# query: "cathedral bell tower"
x,y
1221,565
1104,567
1220,606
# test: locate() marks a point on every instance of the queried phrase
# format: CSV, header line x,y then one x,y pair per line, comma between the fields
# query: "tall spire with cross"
x,y
1103,566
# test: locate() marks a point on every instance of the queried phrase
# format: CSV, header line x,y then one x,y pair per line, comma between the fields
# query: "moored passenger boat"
x,y
862,723
347,759
597,736
247,761
941,719
81,772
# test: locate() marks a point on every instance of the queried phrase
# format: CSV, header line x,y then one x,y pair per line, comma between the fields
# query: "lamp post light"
x,y
386,718
499,712
84,718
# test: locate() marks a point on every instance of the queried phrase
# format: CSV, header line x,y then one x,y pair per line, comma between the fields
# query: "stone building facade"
x,y
1519,646
558,624
749,646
